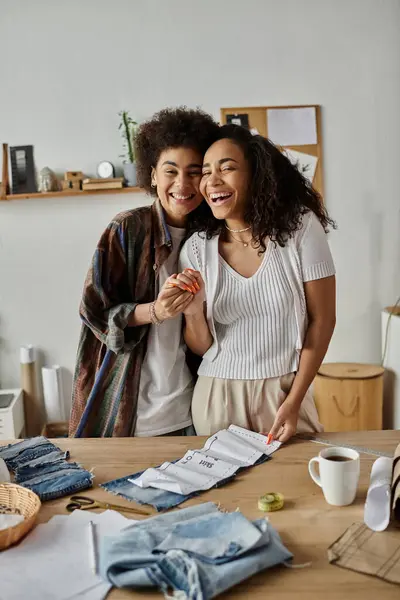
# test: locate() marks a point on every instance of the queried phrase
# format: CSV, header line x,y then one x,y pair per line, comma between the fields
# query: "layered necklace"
x,y
232,231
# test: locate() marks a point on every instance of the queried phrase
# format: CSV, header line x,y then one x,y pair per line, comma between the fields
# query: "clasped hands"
x,y
181,293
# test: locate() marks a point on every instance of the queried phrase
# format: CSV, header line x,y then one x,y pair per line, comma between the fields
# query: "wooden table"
x,y
307,524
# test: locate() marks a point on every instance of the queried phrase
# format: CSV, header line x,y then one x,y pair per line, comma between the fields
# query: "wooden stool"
x,y
349,396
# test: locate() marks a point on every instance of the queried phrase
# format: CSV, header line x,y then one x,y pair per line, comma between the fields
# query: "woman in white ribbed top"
x,y
266,273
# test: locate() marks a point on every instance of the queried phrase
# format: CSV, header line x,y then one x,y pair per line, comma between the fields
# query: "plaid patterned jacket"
x,y
124,273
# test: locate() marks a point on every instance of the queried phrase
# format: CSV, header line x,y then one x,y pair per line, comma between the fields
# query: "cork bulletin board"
x,y
296,130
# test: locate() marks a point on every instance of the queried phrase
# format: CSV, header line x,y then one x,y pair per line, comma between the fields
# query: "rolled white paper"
x,y
27,354
4,472
377,506
53,393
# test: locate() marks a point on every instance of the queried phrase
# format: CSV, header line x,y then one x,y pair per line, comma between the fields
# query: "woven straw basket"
x,y
17,499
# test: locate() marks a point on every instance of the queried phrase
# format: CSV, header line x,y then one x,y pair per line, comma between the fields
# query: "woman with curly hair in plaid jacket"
x,y
133,375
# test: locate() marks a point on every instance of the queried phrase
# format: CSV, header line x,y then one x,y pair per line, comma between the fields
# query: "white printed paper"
x,y
222,455
194,472
203,464
229,446
55,559
292,126
257,440
305,163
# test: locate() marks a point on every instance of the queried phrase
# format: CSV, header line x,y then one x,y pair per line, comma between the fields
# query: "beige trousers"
x,y
252,404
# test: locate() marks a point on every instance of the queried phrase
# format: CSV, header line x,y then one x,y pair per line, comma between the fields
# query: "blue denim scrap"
x,y
15,455
42,467
198,551
57,456
160,499
53,481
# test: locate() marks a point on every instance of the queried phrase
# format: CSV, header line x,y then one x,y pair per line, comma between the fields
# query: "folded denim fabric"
x,y
57,456
43,472
199,552
159,499
15,455
42,467
56,480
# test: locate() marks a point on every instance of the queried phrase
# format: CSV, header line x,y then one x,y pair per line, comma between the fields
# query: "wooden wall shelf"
x,y
71,193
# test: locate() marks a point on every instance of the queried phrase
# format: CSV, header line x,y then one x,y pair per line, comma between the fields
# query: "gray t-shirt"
x,y
166,384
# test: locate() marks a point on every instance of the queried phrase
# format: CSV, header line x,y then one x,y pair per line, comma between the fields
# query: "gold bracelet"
x,y
153,317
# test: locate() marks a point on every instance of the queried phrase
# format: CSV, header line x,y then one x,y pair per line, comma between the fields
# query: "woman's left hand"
x,y
194,279
285,424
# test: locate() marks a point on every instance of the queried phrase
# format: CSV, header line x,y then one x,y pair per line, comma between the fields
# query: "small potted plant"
x,y
128,129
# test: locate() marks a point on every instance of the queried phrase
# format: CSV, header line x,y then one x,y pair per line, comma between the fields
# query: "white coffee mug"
x,y
339,471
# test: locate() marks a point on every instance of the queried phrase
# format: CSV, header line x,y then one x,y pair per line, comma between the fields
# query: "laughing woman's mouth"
x,y
219,198
182,197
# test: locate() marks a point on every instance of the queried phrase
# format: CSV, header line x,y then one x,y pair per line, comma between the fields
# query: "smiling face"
x,y
225,181
177,177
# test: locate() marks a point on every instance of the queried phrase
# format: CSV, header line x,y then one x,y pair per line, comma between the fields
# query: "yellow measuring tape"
x,y
271,502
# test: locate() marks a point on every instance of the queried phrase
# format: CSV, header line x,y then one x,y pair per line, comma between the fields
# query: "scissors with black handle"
x,y
86,503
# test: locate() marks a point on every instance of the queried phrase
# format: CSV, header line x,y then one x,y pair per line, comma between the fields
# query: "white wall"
x,y
69,67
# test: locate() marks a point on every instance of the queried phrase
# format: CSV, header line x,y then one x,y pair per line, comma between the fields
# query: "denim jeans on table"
x,y
159,499
199,552
42,467
15,455
54,480
55,456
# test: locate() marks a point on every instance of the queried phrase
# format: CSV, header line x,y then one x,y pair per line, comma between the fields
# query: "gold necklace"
x,y
237,230
245,244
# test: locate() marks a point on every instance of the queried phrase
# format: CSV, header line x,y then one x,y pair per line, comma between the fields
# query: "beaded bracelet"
x,y
153,317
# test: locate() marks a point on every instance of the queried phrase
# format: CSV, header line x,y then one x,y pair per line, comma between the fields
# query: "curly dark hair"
x,y
278,196
171,128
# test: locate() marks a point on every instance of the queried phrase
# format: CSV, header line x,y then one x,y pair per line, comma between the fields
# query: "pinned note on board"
x,y
238,119
292,126
305,163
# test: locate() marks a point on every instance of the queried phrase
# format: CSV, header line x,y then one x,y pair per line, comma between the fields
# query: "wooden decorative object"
x,y
107,185
76,184
65,184
5,184
349,396
20,500
73,180
73,175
